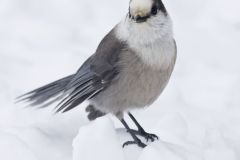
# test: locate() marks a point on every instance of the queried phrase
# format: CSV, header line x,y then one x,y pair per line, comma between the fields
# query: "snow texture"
x,y
102,136
196,118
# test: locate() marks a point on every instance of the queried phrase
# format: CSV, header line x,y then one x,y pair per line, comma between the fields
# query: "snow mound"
x,y
97,140
167,151
100,140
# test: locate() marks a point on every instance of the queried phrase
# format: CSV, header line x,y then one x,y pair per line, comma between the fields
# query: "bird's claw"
x,y
138,142
147,136
151,137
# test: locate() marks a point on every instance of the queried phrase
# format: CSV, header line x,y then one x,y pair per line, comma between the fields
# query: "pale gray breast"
x,y
137,85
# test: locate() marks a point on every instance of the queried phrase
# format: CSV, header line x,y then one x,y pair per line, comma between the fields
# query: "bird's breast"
x,y
141,83
159,55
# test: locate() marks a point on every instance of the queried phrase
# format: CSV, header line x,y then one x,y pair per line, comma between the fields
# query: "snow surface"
x,y
197,117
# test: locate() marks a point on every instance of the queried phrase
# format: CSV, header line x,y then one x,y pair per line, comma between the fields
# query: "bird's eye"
x,y
154,10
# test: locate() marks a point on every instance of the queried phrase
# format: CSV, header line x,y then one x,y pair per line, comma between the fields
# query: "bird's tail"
x,y
47,94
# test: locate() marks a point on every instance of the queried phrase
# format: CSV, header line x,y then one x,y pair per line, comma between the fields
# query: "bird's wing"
x,y
95,75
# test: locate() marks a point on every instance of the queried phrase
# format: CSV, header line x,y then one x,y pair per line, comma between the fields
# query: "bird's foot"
x,y
93,113
137,142
147,136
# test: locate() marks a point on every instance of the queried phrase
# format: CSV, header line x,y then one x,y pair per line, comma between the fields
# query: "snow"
x,y
196,118
11,148
101,140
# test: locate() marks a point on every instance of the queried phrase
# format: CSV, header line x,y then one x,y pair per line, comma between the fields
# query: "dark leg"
x,y
141,131
136,140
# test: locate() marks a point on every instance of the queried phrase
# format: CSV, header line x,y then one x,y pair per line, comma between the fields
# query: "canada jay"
x,y
130,68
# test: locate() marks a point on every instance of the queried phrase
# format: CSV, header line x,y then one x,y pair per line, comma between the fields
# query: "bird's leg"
x,y
141,131
136,140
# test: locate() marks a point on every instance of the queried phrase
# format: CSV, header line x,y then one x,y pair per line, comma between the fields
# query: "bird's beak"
x,y
139,18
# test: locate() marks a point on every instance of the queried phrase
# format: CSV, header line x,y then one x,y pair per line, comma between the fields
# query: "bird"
x,y
129,70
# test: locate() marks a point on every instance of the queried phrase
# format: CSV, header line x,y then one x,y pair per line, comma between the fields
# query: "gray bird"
x,y
130,69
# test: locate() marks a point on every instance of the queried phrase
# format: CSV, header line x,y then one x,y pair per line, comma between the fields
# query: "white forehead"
x,y
144,5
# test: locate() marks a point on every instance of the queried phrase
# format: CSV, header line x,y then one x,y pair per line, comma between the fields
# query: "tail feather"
x,y
47,94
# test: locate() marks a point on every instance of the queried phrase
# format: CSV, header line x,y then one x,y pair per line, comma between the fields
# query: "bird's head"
x,y
146,22
142,10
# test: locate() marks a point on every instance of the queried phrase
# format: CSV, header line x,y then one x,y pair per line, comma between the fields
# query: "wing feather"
x,y
95,75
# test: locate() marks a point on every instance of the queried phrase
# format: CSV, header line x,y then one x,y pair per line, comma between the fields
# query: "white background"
x,y
197,117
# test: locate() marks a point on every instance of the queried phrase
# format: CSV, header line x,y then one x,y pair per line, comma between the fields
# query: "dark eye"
x,y
154,10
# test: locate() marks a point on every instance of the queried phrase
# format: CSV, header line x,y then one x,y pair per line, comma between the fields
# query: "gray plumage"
x,y
126,71
93,77
137,85
130,68
114,79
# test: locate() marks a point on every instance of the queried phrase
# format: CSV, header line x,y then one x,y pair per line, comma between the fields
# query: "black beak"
x,y
139,19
